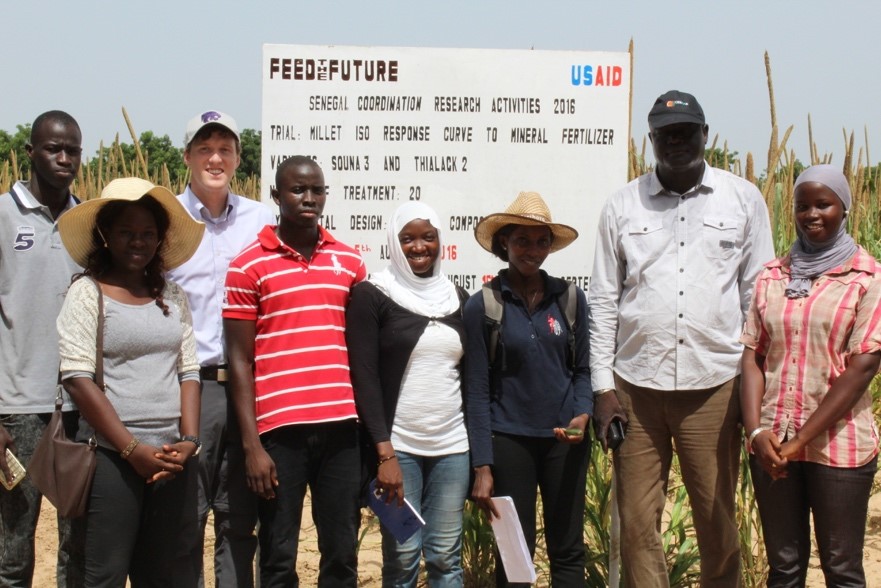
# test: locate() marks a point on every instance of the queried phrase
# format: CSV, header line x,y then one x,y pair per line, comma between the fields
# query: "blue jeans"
x,y
20,511
437,488
838,499
325,457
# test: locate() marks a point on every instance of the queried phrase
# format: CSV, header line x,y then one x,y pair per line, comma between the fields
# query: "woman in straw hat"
x,y
146,418
406,340
812,346
528,398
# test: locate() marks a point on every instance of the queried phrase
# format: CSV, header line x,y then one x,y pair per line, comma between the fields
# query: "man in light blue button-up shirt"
x,y
213,153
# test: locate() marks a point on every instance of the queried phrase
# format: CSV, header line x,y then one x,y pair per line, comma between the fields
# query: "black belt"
x,y
216,373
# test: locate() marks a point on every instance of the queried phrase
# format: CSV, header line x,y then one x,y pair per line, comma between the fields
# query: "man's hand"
x,y
6,440
606,408
260,473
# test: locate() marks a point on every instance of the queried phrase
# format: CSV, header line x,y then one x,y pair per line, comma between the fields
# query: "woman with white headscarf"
x,y
812,346
405,336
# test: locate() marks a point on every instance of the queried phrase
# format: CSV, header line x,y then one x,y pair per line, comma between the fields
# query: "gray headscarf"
x,y
810,259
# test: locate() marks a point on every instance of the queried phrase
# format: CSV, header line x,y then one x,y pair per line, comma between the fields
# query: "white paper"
x,y
511,542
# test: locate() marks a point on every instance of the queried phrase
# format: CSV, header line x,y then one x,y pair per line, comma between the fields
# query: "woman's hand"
x,y
178,453
147,464
767,450
482,491
569,434
390,480
260,473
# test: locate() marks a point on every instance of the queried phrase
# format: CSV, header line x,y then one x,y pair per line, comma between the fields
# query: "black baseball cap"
x,y
675,107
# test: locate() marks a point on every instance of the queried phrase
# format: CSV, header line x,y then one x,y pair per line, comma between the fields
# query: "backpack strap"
x,y
568,303
494,309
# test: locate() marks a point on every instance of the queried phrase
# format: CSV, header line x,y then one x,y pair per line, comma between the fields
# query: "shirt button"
x,y
682,197
680,315
681,341
681,270
645,228
681,292
682,243
532,336
682,218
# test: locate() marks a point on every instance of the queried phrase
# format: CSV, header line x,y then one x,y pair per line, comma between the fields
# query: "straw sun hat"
x,y
180,242
528,209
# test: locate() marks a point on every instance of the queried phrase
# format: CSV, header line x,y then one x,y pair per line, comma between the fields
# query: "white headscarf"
x,y
434,296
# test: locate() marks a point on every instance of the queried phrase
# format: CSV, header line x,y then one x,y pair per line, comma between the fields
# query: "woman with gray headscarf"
x,y
812,346
405,336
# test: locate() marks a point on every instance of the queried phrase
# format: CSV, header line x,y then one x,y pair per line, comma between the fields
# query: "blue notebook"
x,y
401,521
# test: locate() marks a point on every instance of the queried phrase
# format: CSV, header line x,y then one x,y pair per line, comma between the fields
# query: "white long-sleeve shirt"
x,y
672,281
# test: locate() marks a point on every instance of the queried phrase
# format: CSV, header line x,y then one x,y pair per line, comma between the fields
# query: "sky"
x,y
167,61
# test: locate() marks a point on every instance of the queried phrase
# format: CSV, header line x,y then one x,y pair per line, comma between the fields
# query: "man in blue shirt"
x,y
213,153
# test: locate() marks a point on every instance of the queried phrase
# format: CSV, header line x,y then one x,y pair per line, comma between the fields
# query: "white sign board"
x,y
463,130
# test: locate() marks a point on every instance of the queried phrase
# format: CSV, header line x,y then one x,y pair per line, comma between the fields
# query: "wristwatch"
x,y
195,441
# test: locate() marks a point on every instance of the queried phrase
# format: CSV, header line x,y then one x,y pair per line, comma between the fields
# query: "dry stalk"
x,y
137,144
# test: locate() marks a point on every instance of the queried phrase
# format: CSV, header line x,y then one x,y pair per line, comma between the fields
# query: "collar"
x,y
707,184
269,239
862,261
200,212
553,286
21,193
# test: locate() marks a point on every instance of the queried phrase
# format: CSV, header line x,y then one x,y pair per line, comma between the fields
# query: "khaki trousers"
x,y
703,428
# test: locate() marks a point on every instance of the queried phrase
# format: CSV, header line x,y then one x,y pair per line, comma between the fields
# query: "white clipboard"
x,y
511,542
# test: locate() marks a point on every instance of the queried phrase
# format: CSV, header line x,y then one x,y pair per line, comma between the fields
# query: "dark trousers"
x,y
20,512
140,530
326,458
838,499
224,489
524,464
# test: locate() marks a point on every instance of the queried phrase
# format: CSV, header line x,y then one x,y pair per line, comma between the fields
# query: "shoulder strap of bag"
x,y
568,303
99,346
494,309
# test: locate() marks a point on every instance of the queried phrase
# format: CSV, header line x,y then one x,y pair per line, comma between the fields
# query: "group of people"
x,y
247,359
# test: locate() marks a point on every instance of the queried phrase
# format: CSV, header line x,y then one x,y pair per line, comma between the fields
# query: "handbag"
x,y
60,468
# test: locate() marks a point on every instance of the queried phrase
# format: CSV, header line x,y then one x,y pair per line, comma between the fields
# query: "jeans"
x,y
703,425
224,489
559,470
436,487
326,458
140,530
838,498
20,511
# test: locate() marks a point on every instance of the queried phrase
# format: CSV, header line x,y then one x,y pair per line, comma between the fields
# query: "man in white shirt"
x,y
213,153
678,250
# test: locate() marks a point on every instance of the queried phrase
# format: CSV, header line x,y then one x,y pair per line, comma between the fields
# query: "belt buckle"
x,y
222,375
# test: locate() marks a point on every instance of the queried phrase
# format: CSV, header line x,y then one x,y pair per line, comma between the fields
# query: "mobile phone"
x,y
615,434
15,468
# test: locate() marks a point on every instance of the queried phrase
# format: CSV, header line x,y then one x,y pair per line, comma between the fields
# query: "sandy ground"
x,y
370,557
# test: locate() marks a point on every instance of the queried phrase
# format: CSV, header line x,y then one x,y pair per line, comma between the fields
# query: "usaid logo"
x,y
596,75
25,239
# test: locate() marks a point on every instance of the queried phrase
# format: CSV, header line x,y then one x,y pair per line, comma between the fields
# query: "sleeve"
x,y
754,335
581,368
361,272
606,284
77,325
477,384
758,247
187,362
866,334
242,294
363,320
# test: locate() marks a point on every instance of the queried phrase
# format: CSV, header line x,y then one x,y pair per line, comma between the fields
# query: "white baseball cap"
x,y
210,117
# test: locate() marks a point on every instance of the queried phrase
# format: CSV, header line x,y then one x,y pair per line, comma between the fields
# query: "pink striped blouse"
x,y
806,343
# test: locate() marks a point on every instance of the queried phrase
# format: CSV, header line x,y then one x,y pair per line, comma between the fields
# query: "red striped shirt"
x,y
807,343
299,306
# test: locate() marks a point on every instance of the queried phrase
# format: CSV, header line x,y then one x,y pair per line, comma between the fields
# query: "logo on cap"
x,y
672,103
209,116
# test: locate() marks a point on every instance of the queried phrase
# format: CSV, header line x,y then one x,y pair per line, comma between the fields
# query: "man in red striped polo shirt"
x,y
285,334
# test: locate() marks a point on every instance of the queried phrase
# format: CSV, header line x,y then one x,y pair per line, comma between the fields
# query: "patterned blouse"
x,y
807,343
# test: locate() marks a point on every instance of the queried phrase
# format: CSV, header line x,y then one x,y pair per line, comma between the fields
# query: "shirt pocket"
x,y
721,237
646,240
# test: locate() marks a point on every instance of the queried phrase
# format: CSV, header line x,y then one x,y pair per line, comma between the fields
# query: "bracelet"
x,y
752,436
602,391
382,460
129,448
